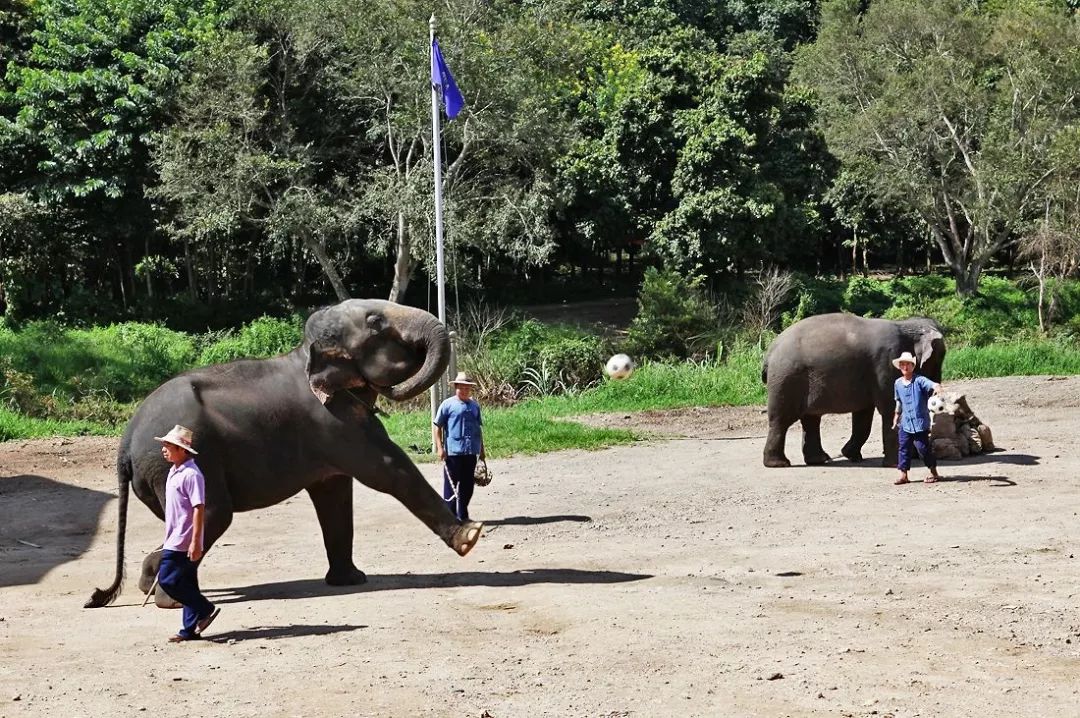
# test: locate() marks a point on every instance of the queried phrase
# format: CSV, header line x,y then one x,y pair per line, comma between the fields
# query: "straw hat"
x,y
463,378
906,356
179,436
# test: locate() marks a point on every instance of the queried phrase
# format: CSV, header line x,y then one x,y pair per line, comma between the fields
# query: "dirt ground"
x,y
676,576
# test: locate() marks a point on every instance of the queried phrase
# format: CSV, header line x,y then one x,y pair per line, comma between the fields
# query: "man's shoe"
x,y
204,623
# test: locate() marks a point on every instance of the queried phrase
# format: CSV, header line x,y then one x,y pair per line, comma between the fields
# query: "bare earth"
x,y
673,577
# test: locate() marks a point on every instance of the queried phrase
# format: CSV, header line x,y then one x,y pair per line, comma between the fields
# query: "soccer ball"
x,y
619,366
936,404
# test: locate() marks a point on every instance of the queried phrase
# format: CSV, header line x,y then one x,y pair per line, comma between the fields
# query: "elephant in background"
x,y
840,364
267,429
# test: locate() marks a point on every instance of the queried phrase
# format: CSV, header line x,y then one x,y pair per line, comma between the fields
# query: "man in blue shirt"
x,y
912,417
457,434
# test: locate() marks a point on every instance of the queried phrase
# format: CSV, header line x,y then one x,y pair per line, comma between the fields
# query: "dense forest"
x,y
211,160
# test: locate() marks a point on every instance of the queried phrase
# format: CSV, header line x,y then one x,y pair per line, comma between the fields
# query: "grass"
x,y
539,425
534,426
1022,358
16,426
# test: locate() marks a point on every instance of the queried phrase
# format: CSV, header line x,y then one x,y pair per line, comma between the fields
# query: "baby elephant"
x,y
841,364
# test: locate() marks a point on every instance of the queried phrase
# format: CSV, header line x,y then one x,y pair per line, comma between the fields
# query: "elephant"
x,y
839,364
266,429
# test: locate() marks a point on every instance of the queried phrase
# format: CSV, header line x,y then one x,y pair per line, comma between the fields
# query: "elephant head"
x,y
395,350
929,346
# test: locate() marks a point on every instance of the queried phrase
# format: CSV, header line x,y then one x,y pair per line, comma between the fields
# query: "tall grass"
x,y
1019,358
16,426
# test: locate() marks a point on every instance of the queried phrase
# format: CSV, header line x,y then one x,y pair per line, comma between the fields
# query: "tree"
x,y
954,111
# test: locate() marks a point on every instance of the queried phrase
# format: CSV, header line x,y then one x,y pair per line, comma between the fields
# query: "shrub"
x,y
866,297
262,338
529,354
674,317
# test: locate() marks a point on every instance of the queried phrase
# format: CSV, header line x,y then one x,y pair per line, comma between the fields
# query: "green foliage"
x,y
950,113
264,337
674,319
1013,358
866,297
536,358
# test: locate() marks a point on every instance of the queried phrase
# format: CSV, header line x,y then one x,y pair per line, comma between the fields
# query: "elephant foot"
x,y
164,600
466,537
853,455
349,577
816,458
774,462
888,463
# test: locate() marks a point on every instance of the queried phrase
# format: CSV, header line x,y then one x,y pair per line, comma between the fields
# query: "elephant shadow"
x,y
43,524
997,456
309,588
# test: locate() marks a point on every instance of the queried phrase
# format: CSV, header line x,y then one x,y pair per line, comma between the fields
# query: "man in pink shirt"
x,y
185,517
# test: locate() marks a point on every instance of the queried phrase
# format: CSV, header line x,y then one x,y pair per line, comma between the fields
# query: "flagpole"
x,y
436,147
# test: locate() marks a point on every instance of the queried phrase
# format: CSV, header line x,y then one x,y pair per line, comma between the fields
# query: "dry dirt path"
x,y
672,577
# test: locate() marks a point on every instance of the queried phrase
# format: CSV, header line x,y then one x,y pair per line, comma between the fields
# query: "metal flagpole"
x,y
436,146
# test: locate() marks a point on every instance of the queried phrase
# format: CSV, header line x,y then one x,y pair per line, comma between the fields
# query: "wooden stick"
x,y
150,592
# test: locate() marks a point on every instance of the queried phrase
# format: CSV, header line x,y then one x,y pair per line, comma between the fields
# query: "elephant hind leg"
x,y
862,422
773,456
332,498
813,454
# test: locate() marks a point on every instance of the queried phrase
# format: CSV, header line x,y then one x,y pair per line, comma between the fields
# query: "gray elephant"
x,y
840,364
268,429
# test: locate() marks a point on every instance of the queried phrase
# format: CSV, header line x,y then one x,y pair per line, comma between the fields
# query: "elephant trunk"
x,y
429,335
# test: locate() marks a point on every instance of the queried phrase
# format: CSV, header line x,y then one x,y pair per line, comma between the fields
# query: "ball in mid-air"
x,y
619,366
936,404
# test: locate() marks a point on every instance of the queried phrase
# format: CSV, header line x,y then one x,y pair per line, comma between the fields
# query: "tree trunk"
x,y
189,267
149,280
403,262
318,248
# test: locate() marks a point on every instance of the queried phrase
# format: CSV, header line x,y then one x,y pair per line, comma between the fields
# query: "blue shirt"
x,y
461,425
914,414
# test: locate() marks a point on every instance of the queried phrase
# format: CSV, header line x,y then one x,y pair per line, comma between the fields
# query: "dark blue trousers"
x,y
920,440
459,469
179,576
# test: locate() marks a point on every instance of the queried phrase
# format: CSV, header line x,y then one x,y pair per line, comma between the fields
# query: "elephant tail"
x,y
103,597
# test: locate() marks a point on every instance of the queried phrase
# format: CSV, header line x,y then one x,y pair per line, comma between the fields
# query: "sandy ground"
x,y
672,577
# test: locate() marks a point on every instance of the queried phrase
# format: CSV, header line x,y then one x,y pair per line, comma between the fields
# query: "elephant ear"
x,y
330,368
930,347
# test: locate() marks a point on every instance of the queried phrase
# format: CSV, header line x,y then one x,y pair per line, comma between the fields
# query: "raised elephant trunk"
x,y
429,336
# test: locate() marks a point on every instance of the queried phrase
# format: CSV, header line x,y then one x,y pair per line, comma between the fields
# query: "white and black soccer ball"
x,y
936,404
619,366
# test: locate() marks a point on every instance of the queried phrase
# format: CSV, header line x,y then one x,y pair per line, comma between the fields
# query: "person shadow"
x,y
275,632
312,588
44,523
536,520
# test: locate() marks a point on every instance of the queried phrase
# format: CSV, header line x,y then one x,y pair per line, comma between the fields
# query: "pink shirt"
x,y
185,489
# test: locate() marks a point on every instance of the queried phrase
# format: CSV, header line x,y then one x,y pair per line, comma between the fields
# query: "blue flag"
x,y
442,79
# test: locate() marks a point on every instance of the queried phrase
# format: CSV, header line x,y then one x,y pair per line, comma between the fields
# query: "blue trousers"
x,y
179,577
459,469
921,442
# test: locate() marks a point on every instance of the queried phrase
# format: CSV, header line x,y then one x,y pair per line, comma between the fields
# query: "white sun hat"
x,y
906,356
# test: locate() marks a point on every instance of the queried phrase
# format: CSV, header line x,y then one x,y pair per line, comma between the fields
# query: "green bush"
x,y
675,318
866,297
262,338
536,358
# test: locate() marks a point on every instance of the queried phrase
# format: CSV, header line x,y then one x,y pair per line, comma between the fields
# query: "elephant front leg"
x,y
813,454
333,505
890,440
861,424
395,474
